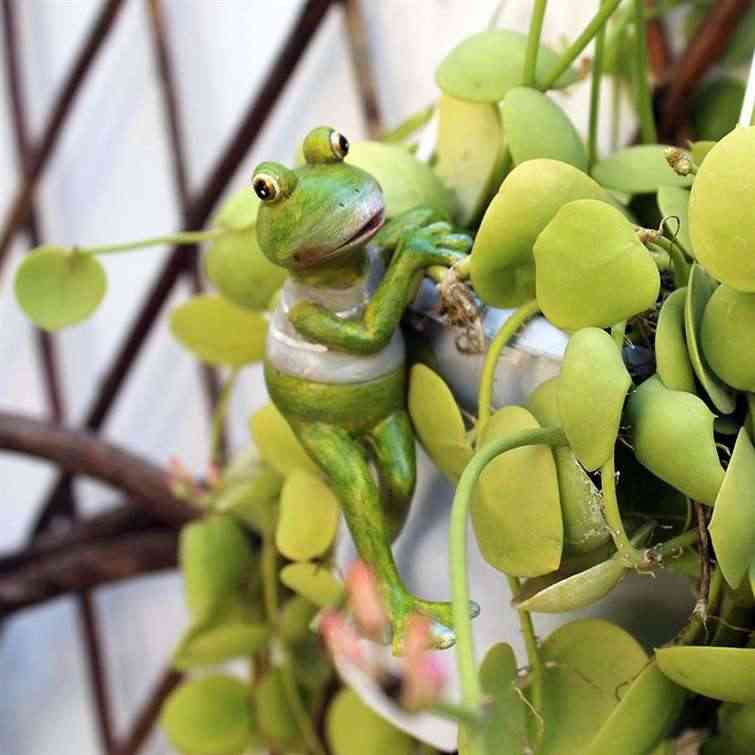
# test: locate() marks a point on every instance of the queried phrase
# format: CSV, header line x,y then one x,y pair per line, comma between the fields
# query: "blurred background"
x,y
111,175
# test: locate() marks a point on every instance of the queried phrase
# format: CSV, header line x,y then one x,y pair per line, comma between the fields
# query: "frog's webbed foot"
x,y
461,308
442,633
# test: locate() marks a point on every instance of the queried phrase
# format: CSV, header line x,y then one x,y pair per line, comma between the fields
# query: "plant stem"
x,y
678,260
579,44
644,101
533,42
518,318
471,693
690,537
689,634
219,414
409,125
185,237
630,555
597,73
283,659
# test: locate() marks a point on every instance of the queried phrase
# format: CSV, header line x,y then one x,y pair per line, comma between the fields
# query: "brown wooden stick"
x,y
81,452
86,567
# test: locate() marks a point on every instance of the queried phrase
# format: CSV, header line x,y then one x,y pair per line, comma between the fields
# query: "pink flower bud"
x,y
366,602
341,639
424,673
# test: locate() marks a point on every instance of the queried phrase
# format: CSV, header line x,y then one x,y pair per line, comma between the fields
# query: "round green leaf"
x,y
674,202
277,444
351,727
638,170
700,150
715,108
699,291
239,211
216,562
671,353
586,662
573,592
536,127
209,646
592,270
438,421
646,713
253,500
276,719
672,435
209,716
236,266
313,582
732,528
736,724
309,514
502,265
57,287
469,147
296,618
504,728
406,182
516,513
722,223
218,332
721,673
485,66
584,526
727,337
592,387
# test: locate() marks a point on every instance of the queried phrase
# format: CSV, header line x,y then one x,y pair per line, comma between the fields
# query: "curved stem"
x,y
678,260
219,415
283,661
504,335
579,44
185,237
533,42
409,125
626,551
471,693
644,100
597,73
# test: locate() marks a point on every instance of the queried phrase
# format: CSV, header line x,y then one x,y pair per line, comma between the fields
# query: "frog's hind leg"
x,y
392,443
343,459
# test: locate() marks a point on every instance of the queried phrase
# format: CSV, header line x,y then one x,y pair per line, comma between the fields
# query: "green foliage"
x,y
722,223
313,582
591,391
209,716
536,127
57,287
438,421
592,270
309,514
638,170
517,513
485,66
671,354
219,332
503,266
352,727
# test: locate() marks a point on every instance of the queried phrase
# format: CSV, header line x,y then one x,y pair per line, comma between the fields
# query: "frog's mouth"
x,y
365,232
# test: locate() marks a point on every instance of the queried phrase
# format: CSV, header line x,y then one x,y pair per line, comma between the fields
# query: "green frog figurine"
x,y
334,363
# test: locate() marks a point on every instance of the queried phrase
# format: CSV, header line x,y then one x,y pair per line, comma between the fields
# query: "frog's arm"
x,y
369,335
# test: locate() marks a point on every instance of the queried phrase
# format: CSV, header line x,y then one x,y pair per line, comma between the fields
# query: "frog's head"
x,y
319,211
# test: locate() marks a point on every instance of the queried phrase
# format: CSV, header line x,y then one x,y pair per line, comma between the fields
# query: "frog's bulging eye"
x,y
325,145
266,187
339,144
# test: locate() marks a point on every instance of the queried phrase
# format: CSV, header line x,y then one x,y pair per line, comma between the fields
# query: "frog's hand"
x,y
435,244
389,236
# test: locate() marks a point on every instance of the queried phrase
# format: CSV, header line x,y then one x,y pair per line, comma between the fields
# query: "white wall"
x,y
110,179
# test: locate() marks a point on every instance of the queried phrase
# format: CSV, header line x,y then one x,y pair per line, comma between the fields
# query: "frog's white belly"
x,y
289,352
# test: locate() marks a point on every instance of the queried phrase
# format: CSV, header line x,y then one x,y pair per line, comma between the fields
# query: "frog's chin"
x,y
361,237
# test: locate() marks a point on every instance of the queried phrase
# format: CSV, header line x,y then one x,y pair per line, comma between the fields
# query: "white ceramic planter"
x,y
652,609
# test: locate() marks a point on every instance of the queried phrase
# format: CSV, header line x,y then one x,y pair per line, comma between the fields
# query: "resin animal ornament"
x,y
334,362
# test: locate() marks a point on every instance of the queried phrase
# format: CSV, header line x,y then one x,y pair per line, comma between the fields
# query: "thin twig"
x,y
19,207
